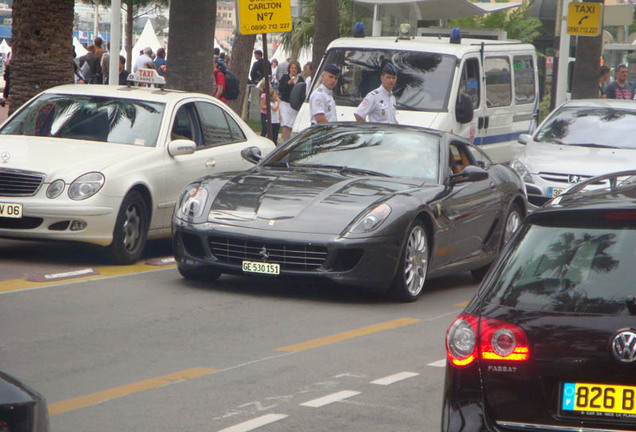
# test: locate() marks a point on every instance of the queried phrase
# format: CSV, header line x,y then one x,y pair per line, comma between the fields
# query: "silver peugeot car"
x,y
579,140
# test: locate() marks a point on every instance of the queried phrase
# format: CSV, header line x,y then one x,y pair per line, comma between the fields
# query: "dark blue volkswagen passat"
x,y
549,341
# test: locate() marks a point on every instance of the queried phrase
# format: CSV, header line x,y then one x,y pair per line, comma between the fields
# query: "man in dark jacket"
x,y
256,73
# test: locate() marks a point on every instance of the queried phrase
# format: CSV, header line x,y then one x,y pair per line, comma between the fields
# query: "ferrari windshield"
x,y
91,118
423,84
390,152
590,127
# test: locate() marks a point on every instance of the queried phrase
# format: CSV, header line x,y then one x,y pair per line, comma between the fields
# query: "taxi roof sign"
x,y
146,76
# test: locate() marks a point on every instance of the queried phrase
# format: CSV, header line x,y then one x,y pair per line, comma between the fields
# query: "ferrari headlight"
x,y
191,203
522,170
372,219
85,186
55,189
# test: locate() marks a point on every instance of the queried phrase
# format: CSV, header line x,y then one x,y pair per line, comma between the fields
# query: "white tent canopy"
x,y
148,38
282,53
79,48
4,47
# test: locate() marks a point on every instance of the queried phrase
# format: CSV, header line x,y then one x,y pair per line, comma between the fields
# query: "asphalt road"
x,y
152,352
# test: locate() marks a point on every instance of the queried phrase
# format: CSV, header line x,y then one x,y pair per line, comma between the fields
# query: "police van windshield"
x,y
423,83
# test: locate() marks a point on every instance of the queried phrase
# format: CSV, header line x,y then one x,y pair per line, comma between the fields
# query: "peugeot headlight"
x,y
191,203
522,170
372,219
85,186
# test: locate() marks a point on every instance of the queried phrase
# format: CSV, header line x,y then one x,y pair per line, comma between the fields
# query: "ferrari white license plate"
x,y
10,210
554,192
261,267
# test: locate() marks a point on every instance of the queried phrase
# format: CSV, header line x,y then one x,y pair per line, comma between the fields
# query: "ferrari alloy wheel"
x,y
131,230
411,276
513,221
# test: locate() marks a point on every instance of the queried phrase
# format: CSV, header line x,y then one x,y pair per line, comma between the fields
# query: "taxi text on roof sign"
x,y
264,16
147,76
584,19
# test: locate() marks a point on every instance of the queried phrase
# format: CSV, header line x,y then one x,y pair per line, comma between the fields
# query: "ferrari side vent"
x,y
290,256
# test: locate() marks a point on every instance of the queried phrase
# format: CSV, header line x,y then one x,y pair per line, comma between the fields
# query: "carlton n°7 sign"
x,y
264,16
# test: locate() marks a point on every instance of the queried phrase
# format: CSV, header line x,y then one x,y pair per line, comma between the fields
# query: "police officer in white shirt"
x,y
322,106
379,104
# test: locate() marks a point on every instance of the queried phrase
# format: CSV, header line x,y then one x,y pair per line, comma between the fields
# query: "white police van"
x,y
483,90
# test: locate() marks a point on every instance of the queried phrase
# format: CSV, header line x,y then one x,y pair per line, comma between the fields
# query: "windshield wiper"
x,y
347,169
278,164
594,145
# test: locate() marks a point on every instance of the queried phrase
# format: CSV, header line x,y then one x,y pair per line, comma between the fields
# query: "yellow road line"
x,y
339,337
102,396
104,272
462,304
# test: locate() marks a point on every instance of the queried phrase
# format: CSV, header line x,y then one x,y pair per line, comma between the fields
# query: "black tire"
x,y
205,274
131,230
413,266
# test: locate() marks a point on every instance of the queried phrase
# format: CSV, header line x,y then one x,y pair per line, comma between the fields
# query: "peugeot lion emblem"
x,y
263,253
5,156
573,178
624,346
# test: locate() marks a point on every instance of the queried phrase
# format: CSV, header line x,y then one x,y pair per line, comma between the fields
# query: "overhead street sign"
x,y
264,16
584,19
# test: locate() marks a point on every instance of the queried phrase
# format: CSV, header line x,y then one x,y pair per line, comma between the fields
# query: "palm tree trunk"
x,y
240,63
42,47
587,66
191,45
326,22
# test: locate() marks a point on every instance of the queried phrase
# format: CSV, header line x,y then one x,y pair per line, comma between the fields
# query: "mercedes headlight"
x,y
371,220
55,189
522,170
85,186
191,203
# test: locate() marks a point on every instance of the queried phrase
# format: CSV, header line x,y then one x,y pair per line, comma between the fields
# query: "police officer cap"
x,y
390,69
332,69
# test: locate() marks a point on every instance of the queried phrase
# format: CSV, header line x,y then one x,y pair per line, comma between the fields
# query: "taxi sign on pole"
x,y
585,19
264,16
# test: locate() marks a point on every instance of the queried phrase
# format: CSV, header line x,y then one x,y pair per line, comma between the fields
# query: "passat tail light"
x,y
461,340
501,341
468,339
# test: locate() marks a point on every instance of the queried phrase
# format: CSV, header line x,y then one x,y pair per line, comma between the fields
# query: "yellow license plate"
x,y
599,398
10,210
261,267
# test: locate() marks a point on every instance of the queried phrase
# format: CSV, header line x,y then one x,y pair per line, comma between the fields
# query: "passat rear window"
x,y
579,269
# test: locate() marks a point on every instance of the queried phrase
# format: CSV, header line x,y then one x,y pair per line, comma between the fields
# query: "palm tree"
x,y
42,47
326,31
191,45
240,59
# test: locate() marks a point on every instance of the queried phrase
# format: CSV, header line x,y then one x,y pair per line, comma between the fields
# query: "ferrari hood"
x,y
61,158
322,201
571,159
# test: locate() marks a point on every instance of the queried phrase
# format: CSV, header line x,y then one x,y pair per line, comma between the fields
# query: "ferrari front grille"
x,y
290,256
17,183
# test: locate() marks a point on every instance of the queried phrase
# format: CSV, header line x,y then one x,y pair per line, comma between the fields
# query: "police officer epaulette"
x,y
319,90
375,92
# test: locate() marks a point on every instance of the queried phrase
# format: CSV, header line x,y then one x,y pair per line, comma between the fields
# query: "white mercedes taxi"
x,y
104,165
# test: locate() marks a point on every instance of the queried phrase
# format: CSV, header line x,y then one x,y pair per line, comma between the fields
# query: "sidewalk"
x,y
4,113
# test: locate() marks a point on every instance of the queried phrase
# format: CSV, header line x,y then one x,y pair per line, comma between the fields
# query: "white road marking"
x,y
326,400
255,423
391,379
438,363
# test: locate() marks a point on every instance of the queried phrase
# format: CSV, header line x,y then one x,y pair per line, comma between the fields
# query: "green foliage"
x,y
517,23
303,28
